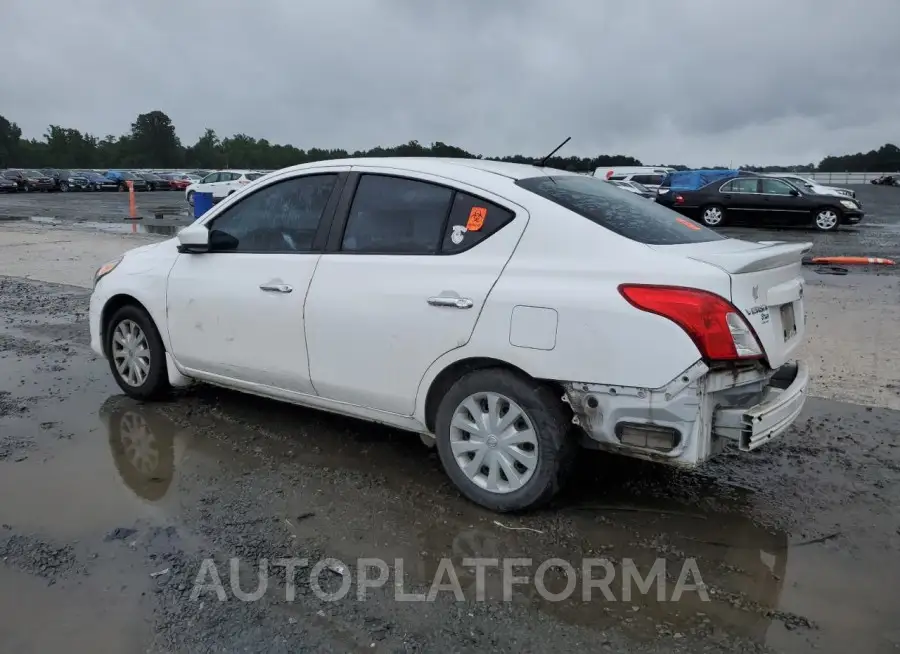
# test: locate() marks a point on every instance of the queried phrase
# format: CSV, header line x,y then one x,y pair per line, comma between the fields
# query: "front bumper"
x,y
781,404
852,216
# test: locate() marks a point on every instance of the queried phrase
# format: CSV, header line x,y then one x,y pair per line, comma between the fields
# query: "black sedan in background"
x,y
7,185
753,200
98,182
29,180
67,180
154,181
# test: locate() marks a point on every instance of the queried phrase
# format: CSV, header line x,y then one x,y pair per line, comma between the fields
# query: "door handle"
x,y
453,302
276,288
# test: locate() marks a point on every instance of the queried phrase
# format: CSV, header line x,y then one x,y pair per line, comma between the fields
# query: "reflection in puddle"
x,y
761,587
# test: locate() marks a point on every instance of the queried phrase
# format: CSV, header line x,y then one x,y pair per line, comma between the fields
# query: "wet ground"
x,y
109,508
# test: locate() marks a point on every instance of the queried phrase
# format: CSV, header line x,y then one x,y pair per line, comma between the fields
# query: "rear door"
x,y
741,199
410,262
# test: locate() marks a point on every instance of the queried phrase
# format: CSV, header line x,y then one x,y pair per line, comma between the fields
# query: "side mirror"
x,y
795,192
193,239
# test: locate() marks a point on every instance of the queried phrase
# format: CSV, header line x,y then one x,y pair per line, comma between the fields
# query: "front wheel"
x,y
712,216
27,188
504,440
190,198
63,187
827,219
137,357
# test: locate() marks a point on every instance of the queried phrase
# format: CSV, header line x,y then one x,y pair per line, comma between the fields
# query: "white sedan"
x,y
221,184
511,312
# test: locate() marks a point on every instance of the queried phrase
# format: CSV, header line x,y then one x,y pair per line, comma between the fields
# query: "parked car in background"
x,y
649,176
122,177
154,181
633,187
221,184
886,180
67,180
98,181
812,185
30,180
674,342
7,185
717,197
176,181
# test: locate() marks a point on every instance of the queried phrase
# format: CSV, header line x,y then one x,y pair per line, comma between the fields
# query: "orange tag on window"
x,y
687,223
476,219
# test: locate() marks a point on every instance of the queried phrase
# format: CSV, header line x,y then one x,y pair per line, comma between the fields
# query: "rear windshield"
x,y
252,176
624,213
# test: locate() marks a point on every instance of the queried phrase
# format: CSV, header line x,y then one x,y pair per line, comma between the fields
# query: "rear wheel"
x,y
190,198
27,188
63,187
136,354
827,219
123,186
504,440
713,215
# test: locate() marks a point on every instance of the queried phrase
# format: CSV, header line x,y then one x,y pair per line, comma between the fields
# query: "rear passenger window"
x,y
471,221
395,215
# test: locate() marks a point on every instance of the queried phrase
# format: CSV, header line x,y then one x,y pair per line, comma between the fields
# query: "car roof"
x,y
442,166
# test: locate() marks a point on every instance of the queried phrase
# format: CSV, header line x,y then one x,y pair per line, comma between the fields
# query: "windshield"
x,y
626,214
252,176
34,173
640,187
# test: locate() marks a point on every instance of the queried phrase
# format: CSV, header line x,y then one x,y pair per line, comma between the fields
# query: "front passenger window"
x,y
776,187
210,179
282,217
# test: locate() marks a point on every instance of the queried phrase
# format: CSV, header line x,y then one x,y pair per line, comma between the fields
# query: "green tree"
x,y
153,142
10,135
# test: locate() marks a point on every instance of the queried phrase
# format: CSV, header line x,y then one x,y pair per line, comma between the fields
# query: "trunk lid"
x,y
766,286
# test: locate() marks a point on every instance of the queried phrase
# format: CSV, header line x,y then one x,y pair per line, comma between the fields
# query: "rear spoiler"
x,y
772,255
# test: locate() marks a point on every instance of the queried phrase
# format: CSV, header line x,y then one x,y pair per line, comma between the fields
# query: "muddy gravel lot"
x,y
111,509
118,518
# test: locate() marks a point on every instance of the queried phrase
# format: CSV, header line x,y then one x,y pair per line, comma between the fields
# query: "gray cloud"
x,y
698,81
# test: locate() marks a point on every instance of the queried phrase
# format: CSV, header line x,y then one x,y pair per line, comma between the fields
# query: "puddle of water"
x,y
163,228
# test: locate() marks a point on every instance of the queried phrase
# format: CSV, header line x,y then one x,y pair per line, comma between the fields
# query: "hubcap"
x,y
131,353
494,443
139,443
826,219
712,216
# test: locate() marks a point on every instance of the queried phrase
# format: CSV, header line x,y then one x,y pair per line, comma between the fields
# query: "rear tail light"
x,y
679,199
715,325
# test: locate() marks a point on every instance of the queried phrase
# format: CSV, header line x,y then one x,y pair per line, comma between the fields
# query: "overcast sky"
x,y
687,81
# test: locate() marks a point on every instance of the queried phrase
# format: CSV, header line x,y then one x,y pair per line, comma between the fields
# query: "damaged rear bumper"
x,y
690,419
782,403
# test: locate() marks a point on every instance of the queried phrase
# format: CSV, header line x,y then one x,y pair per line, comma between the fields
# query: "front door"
x,y
237,310
782,203
409,265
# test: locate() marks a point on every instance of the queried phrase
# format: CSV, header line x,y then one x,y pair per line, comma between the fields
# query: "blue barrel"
x,y
202,203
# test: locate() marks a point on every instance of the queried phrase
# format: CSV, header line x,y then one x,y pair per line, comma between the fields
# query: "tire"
x,y
123,187
26,188
134,321
551,446
190,198
713,215
63,187
827,219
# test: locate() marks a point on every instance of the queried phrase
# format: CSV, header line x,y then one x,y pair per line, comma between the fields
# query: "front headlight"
x,y
849,204
105,269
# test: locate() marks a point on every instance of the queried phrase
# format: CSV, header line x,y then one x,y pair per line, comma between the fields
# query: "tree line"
x,y
153,143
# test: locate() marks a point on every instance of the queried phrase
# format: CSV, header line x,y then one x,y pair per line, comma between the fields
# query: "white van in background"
x,y
649,176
